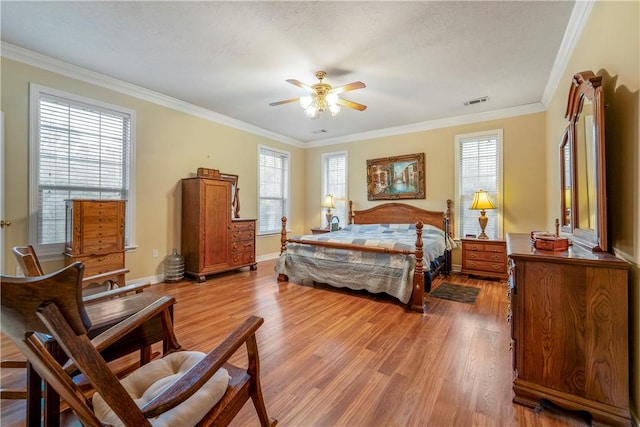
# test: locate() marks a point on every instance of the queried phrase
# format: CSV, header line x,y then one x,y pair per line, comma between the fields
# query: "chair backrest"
x,y
28,261
52,304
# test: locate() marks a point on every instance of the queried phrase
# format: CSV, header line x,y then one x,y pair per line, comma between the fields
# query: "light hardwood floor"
x,y
341,358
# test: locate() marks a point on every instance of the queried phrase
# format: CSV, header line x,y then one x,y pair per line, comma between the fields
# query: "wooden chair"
x,y
52,304
30,264
106,283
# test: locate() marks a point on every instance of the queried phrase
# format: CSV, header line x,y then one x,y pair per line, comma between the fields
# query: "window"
x,y
478,167
334,182
79,148
273,182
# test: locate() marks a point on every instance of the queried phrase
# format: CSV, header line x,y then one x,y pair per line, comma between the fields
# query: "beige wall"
x,y
609,46
524,151
170,145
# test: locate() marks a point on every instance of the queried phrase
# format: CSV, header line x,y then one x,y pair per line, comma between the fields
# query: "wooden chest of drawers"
x,y
487,258
94,235
243,242
570,330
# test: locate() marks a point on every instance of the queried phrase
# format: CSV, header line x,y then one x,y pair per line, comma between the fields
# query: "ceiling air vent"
x,y
318,132
477,101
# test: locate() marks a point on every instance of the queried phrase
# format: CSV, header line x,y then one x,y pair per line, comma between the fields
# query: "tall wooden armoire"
x,y
212,241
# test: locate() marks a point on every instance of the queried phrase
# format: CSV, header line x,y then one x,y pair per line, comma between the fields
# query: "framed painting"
x,y
399,177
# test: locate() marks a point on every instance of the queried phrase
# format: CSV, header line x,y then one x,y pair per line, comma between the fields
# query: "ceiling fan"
x,y
323,97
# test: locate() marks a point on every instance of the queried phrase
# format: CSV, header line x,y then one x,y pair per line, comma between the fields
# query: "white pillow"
x,y
149,380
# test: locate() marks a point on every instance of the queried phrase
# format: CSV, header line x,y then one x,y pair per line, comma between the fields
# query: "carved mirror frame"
x,y
588,221
566,183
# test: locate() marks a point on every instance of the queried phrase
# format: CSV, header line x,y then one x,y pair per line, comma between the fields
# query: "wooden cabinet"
x,y
486,258
213,242
94,235
569,326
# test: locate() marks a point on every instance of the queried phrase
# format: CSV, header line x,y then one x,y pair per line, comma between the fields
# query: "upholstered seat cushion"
x,y
149,380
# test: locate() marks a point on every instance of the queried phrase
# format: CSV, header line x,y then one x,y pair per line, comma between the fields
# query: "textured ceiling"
x,y
420,60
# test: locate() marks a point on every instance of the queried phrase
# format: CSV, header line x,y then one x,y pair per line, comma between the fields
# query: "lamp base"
x,y
328,214
483,224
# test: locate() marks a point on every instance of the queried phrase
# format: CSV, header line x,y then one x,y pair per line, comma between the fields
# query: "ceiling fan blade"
x,y
352,104
300,84
350,86
286,101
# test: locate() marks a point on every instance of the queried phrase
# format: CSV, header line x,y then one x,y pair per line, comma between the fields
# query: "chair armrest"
x,y
199,374
101,296
160,307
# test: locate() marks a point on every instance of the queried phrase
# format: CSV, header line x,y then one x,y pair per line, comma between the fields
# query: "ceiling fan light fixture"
x,y
311,111
323,97
332,98
306,101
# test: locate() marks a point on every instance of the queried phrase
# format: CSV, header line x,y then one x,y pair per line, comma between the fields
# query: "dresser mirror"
x,y
583,164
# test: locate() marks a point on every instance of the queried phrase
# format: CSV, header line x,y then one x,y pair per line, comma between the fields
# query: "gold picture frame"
x,y
398,177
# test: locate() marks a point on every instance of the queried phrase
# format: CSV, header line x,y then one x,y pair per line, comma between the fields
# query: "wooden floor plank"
x,y
342,358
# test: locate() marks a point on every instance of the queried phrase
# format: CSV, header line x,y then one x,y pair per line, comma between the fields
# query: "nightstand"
x,y
318,230
483,257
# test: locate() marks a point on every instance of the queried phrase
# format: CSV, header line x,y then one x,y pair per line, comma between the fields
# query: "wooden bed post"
x,y
283,246
417,297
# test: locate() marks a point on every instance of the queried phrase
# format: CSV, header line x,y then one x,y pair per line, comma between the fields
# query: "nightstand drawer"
x,y
484,266
480,247
485,256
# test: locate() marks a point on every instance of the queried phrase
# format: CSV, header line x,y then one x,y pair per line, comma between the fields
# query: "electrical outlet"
x,y
154,253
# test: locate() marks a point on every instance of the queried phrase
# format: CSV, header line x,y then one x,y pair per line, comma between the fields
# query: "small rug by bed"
x,y
458,293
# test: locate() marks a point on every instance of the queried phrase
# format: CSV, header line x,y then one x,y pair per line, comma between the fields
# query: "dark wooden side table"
x,y
318,230
103,315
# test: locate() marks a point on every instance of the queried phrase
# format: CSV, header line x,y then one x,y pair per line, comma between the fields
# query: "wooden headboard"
x,y
399,213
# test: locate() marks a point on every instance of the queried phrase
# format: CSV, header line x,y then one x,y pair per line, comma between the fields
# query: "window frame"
x,y
53,251
497,198
286,191
325,185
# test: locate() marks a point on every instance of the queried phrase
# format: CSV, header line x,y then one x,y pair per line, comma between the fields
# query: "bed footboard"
x,y
416,302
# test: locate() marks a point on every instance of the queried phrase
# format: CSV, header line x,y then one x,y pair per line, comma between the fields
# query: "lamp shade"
x,y
327,202
481,201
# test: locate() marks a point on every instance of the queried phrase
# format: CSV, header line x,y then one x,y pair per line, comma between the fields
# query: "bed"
x,y
393,248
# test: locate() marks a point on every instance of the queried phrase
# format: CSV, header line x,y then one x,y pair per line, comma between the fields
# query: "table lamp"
x,y
327,202
481,201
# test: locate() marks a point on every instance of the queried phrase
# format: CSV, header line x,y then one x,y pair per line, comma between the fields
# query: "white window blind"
x,y
479,167
334,179
80,150
274,189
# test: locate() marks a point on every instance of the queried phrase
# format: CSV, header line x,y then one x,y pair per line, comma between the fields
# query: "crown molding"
x,y
13,52
434,124
16,53
577,21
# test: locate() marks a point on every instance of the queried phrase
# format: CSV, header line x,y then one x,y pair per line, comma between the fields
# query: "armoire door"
x,y
216,217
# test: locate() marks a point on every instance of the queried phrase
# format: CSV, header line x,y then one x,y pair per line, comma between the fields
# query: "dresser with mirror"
x,y
569,309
